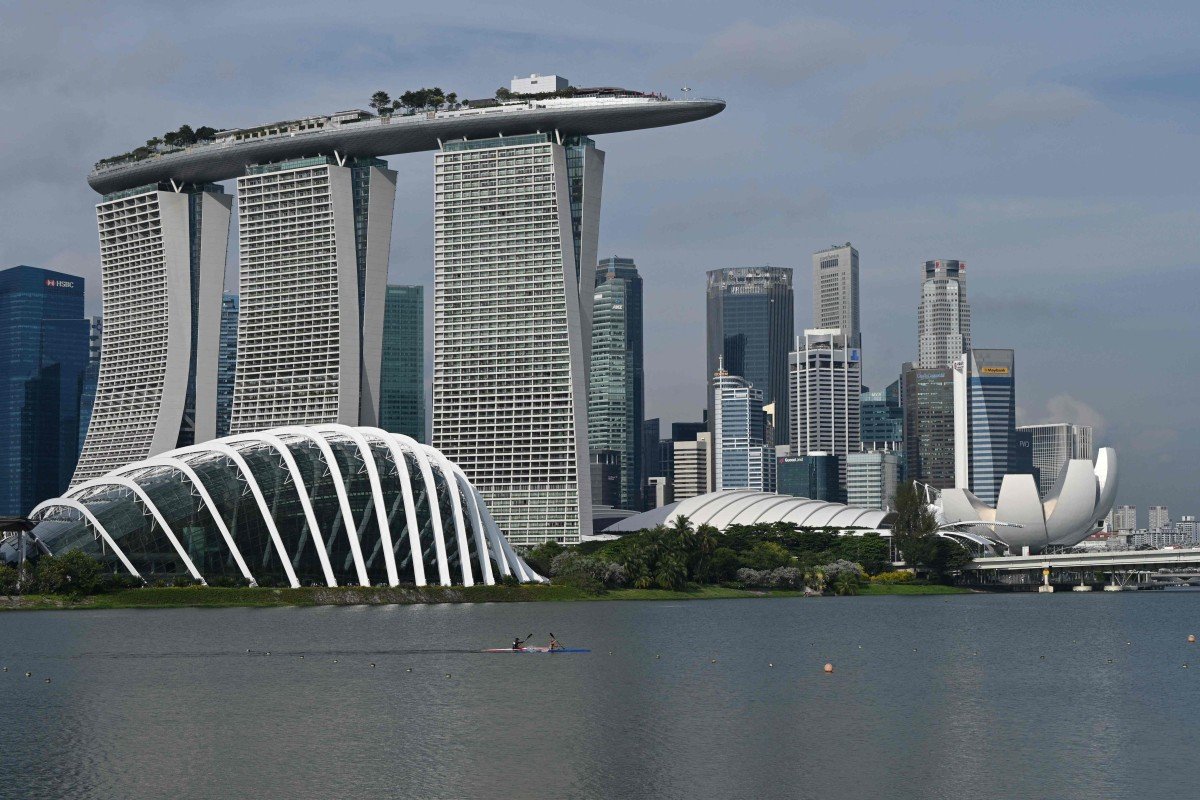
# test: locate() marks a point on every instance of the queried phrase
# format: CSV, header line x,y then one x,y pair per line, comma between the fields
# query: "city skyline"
x,y
994,196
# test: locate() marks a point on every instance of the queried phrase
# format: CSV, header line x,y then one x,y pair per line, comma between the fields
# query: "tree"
x,y
73,573
8,579
381,101
452,98
503,94
915,534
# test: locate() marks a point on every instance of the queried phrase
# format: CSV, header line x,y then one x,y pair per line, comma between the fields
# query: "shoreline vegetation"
x,y
263,597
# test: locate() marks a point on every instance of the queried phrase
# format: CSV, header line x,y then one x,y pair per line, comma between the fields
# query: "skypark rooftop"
x,y
359,134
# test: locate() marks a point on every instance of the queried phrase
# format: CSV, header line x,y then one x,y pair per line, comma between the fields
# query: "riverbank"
x,y
222,597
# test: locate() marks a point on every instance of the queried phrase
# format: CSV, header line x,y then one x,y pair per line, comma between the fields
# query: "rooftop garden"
x,y
185,136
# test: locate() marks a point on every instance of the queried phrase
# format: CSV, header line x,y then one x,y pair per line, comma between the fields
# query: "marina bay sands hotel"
x,y
517,207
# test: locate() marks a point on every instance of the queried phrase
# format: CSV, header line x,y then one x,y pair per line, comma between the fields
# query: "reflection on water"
x,y
968,696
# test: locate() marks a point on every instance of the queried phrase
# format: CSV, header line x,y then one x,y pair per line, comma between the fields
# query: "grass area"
x,y
220,597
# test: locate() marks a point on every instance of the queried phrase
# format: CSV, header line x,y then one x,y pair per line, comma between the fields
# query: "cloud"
x,y
1049,104
1065,408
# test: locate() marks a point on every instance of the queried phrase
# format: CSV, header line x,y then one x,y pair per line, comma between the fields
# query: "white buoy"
x,y
828,668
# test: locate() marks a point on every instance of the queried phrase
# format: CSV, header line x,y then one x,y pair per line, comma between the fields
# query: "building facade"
x,y
42,366
882,419
826,395
512,328
1125,518
743,457
1054,445
835,291
985,412
91,377
227,361
817,476
872,478
616,383
944,316
691,459
750,330
1159,518
928,425
402,375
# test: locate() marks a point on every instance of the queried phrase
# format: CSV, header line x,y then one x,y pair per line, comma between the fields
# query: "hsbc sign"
x,y
60,284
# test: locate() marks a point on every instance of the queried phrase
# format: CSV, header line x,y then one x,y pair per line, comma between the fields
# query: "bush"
x,y
541,556
724,565
894,577
778,578
767,555
8,579
73,573
843,577
585,572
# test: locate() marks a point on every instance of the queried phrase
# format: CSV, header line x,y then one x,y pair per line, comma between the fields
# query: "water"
x,y
992,696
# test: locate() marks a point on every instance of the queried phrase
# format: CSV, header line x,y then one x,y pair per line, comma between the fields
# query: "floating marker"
x,y
769,664
1191,638
828,668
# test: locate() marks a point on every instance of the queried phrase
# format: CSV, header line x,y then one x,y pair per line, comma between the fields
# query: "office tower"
x,y
1160,518
882,419
313,242
750,330
652,459
227,361
743,458
1020,461
985,413
512,326
606,478
660,493
42,364
616,389
1125,518
944,317
402,375
91,375
826,389
1187,529
835,291
691,460
928,425
1054,445
871,479
688,431
816,476
162,258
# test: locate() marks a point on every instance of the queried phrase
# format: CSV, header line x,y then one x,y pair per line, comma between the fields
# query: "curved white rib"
x,y
410,507
460,527
385,530
67,502
483,538
435,510
186,469
219,446
293,468
118,480
339,485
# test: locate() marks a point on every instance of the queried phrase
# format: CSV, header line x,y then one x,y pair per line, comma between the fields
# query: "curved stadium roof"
x,y
750,507
322,505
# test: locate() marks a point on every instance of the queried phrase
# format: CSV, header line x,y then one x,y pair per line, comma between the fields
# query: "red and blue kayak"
x,y
545,650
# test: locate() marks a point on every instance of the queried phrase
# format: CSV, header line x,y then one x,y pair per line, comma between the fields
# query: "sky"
x,y
1051,146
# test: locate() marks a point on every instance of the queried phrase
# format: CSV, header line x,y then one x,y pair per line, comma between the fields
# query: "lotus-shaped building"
x,y
324,505
1080,499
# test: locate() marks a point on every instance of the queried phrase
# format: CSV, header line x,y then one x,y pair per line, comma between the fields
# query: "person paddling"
x,y
554,645
518,642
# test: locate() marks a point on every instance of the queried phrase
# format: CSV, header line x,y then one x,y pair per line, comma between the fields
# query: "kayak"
x,y
545,650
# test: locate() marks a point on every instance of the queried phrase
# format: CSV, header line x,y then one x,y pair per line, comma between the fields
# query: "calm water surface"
x,y
1070,696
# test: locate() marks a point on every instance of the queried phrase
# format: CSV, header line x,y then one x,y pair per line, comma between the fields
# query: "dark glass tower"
x,y
616,389
402,378
91,376
929,425
227,361
751,326
42,365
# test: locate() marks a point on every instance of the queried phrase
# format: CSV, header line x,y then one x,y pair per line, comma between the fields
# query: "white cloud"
x,y
1065,408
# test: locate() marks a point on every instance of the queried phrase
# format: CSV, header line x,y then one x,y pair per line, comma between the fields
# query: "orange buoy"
x,y
829,668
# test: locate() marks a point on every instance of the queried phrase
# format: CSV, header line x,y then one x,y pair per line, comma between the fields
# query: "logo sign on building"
x,y
55,284
993,370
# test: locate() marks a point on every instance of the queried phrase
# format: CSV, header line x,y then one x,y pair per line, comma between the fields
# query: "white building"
x,y
1187,528
1054,445
744,459
871,479
538,84
835,291
514,217
1160,519
944,317
1125,518
690,466
313,244
157,385
660,489
825,382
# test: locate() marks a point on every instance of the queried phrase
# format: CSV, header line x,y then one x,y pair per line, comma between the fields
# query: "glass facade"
x,y
42,369
227,361
985,396
929,426
91,376
815,476
402,377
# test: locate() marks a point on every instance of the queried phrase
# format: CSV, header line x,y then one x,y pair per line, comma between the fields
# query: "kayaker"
x,y
518,642
554,645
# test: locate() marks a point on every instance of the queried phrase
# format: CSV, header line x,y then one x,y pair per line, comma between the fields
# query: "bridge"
x,y
1083,571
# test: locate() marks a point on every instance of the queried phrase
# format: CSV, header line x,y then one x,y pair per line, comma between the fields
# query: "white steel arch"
x,y
460,528
410,506
778,500
483,537
67,502
439,538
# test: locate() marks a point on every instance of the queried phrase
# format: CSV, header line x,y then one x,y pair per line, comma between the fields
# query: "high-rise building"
x,y
1160,518
162,258
985,412
1054,445
661,493
1188,529
402,376
826,389
835,291
750,330
944,317
691,460
512,325
42,364
882,419
227,361
1125,518
928,426
816,476
743,457
652,459
606,478
91,375
314,238
871,479
616,388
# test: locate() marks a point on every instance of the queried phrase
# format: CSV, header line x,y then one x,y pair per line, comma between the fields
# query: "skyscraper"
x,y
984,420
1125,518
227,361
871,479
1054,445
402,378
743,458
882,419
91,375
42,364
162,258
817,476
944,317
691,476
928,425
1160,518
835,291
314,239
750,329
616,388
512,325
652,460
826,388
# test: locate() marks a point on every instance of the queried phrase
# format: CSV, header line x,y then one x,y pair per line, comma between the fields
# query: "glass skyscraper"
x,y
928,425
402,377
91,375
750,328
882,419
227,361
984,420
944,316
743,458
616,388
42,365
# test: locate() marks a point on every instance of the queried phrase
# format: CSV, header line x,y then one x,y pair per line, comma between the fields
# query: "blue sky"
x,y
1052,146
